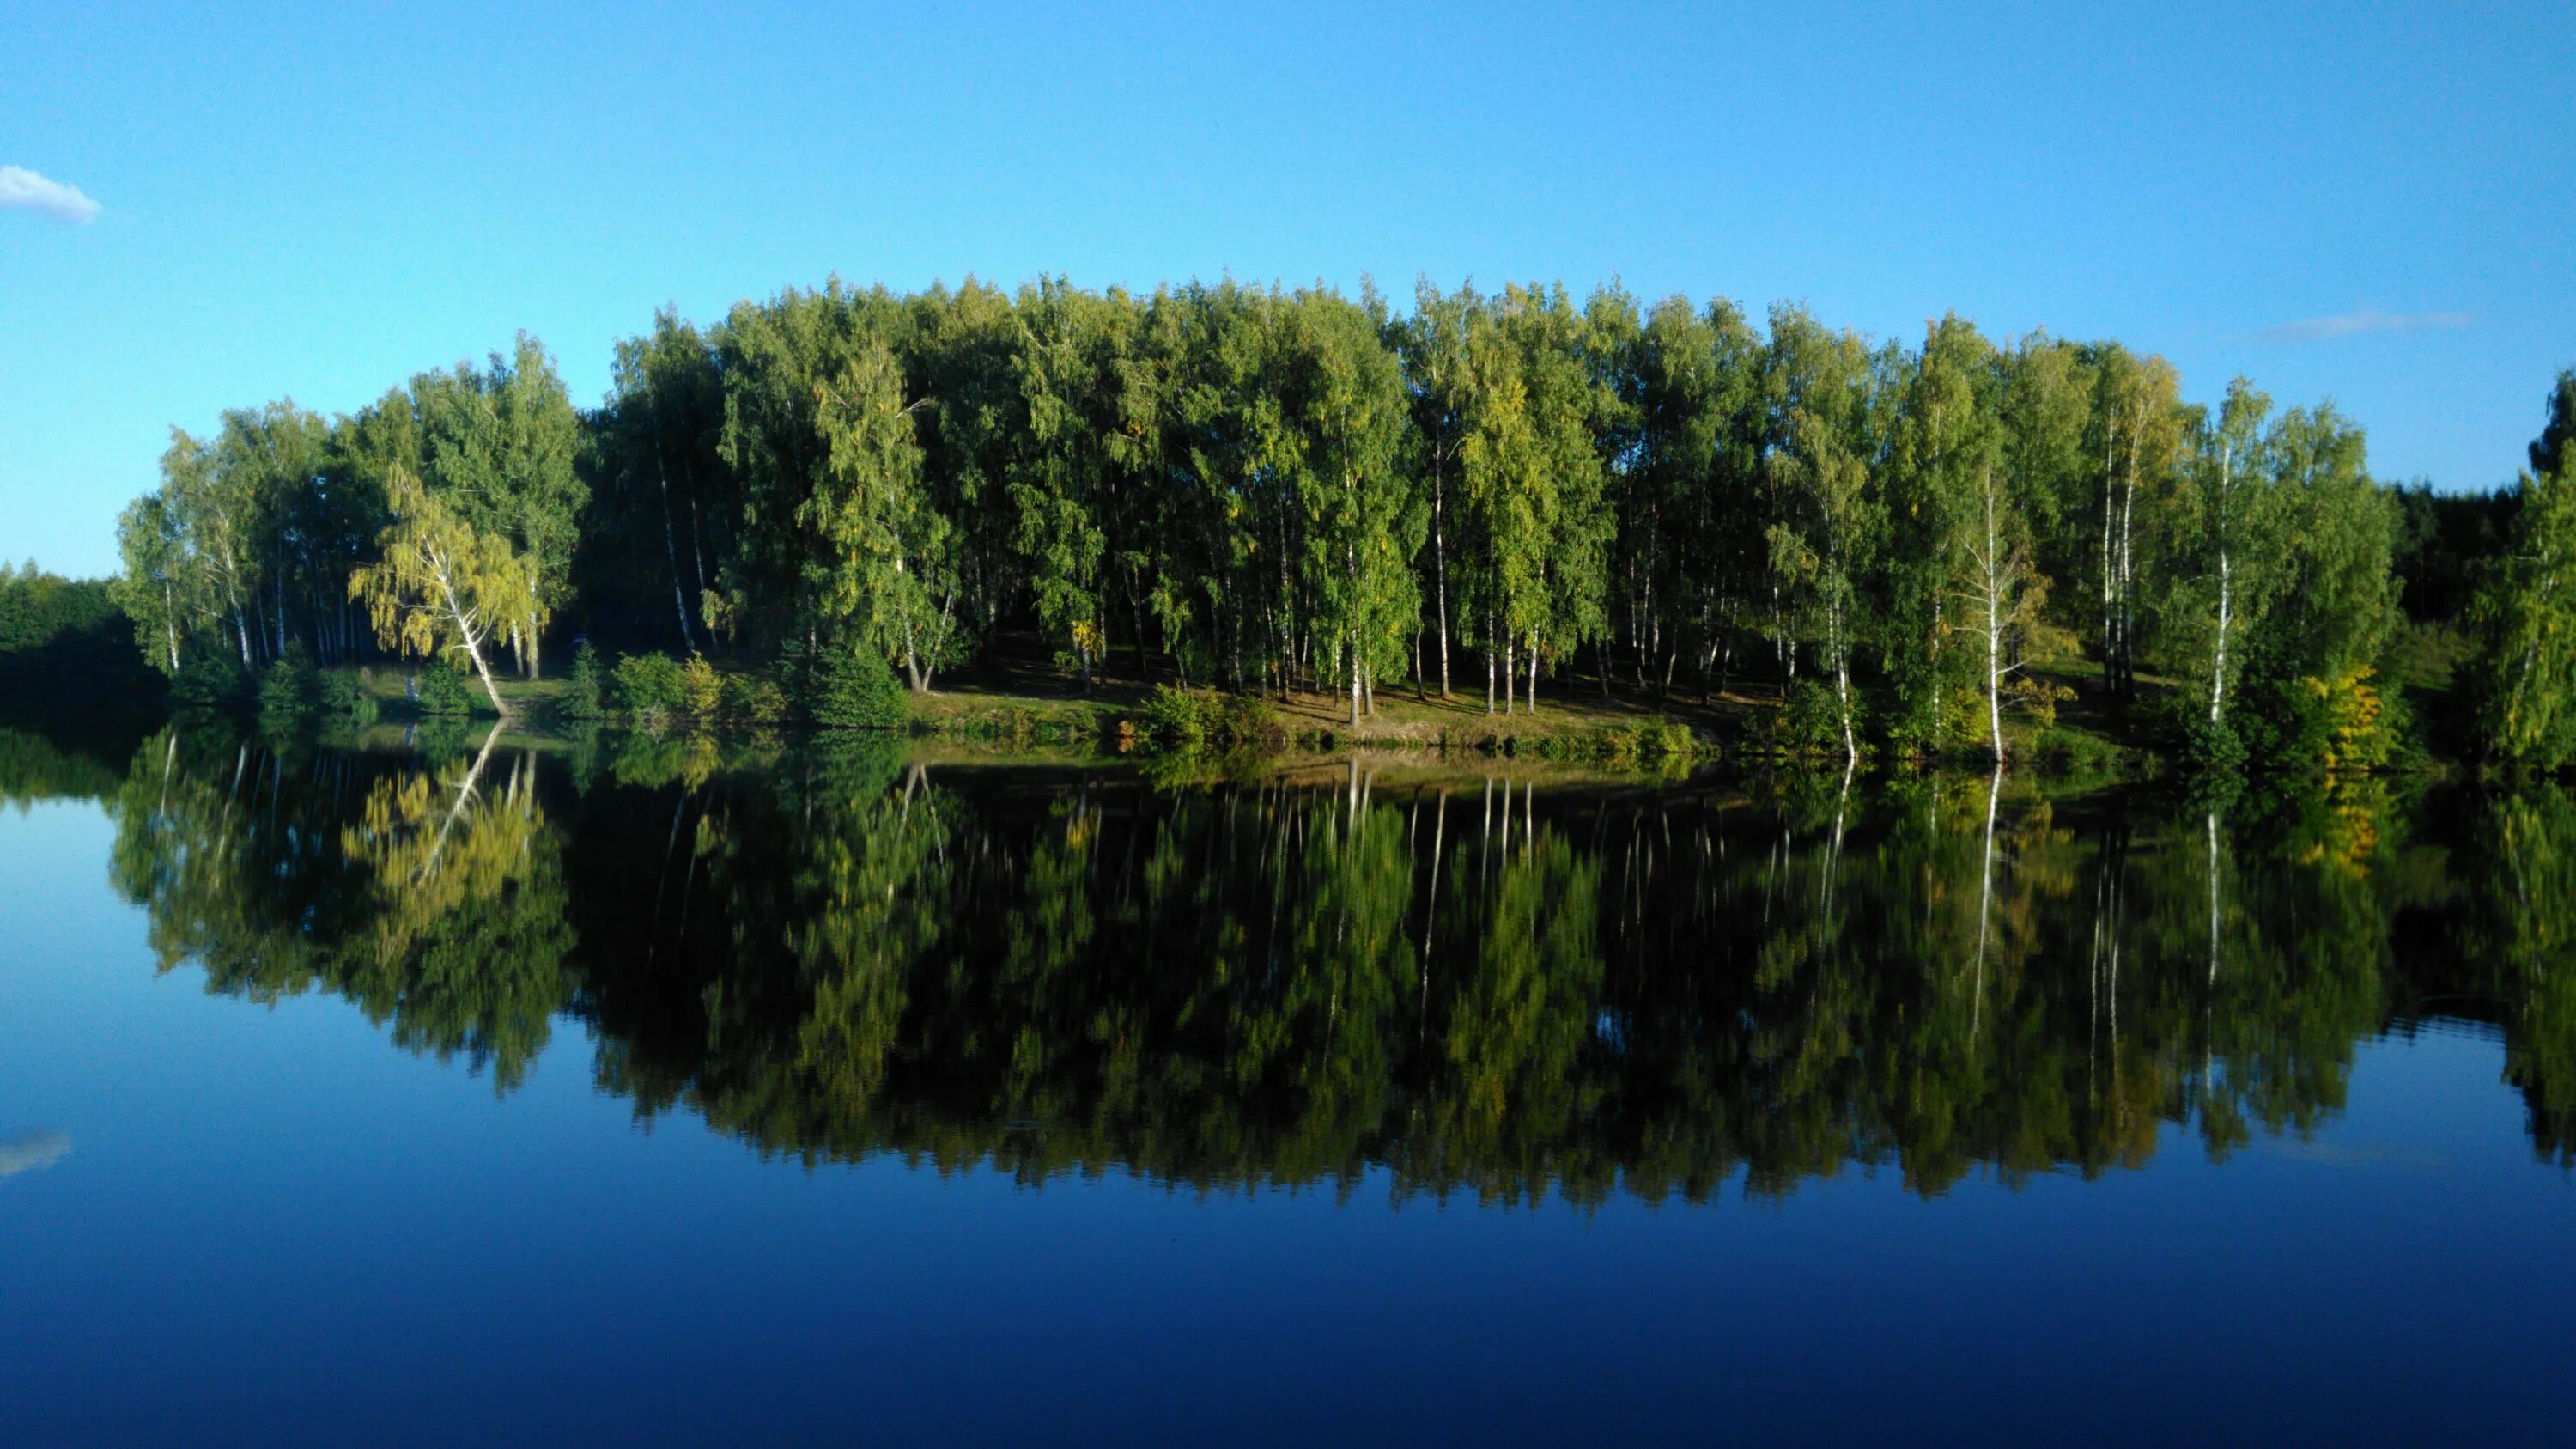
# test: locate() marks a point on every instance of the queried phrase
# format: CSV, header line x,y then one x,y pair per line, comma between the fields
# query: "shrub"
x,y
1810,723
587,696
442,688
648,689
2036,699
1668,739
344,697
1187,718
2343,722
207,680
1249,720
2211,750
290,689
1183,717
753,700
701,689
856,689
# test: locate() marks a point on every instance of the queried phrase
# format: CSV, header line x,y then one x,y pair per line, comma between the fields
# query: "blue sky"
x,y
2375,204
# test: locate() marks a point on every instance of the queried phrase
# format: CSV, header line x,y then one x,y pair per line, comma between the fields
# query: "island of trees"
x,y
1917,550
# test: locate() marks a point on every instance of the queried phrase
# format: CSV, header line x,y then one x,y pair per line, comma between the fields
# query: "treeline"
x,y
458,497
2522,616
62,637
1268,489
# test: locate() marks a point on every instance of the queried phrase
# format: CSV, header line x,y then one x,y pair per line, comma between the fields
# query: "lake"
x,y
658,1091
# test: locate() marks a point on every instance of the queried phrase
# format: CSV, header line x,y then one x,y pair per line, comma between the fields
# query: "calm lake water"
x,y
645,1092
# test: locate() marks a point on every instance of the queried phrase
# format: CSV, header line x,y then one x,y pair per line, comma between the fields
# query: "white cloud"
x,y
29,191
2357,324
31,1151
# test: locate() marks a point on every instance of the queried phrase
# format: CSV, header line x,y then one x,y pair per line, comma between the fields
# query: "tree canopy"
x,y
1266,488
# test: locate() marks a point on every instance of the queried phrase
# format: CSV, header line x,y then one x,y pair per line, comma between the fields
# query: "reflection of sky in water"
x,y
31,1150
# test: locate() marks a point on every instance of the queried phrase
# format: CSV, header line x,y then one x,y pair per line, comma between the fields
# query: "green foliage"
x,y
290,690
343,696
1189,718
1810,723
1262,489
881,567
208,681
1183,718
443,689
497,448
2211,749
752,700
650,690
855,689
658,693
586,688
1640,744
701,691
37,608
2524,622
442,586
64,636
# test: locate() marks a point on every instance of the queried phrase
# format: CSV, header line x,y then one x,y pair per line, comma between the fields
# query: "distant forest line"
x,y
1501,495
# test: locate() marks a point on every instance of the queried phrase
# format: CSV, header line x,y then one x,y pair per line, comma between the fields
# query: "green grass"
x,y
1018,708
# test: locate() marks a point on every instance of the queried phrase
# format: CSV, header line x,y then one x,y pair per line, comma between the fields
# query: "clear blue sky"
x,y
2375,204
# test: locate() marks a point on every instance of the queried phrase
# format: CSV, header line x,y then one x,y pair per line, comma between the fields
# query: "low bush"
x,y
656,692
648,689
440,688
753,700
856,690
207,680
701,689
1810,723
1189,718
586,694
290,689
1182,718
345,698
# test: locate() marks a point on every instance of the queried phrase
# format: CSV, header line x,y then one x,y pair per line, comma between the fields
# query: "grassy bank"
x,y
1025,712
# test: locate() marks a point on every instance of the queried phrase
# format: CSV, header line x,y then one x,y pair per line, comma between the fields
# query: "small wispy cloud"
x,y
31,191
2359,324
32,1150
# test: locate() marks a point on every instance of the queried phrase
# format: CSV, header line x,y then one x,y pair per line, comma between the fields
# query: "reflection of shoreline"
x,y
32,1150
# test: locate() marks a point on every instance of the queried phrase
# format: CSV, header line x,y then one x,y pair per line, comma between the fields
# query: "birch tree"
x,y
1939,470
1361,525
1059,476
441,586
657,437
2224,523
1994,578
498,444
1822,548
1432,346
2524,620
151,584
884,571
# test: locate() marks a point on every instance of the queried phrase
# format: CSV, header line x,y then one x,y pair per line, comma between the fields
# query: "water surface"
x,y
651,1090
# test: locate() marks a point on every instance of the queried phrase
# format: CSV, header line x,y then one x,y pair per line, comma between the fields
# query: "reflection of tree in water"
x,y
2522,943
1290,984
434,902
1479,987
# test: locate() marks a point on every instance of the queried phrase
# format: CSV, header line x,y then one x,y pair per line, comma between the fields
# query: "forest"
x,y
1911,550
